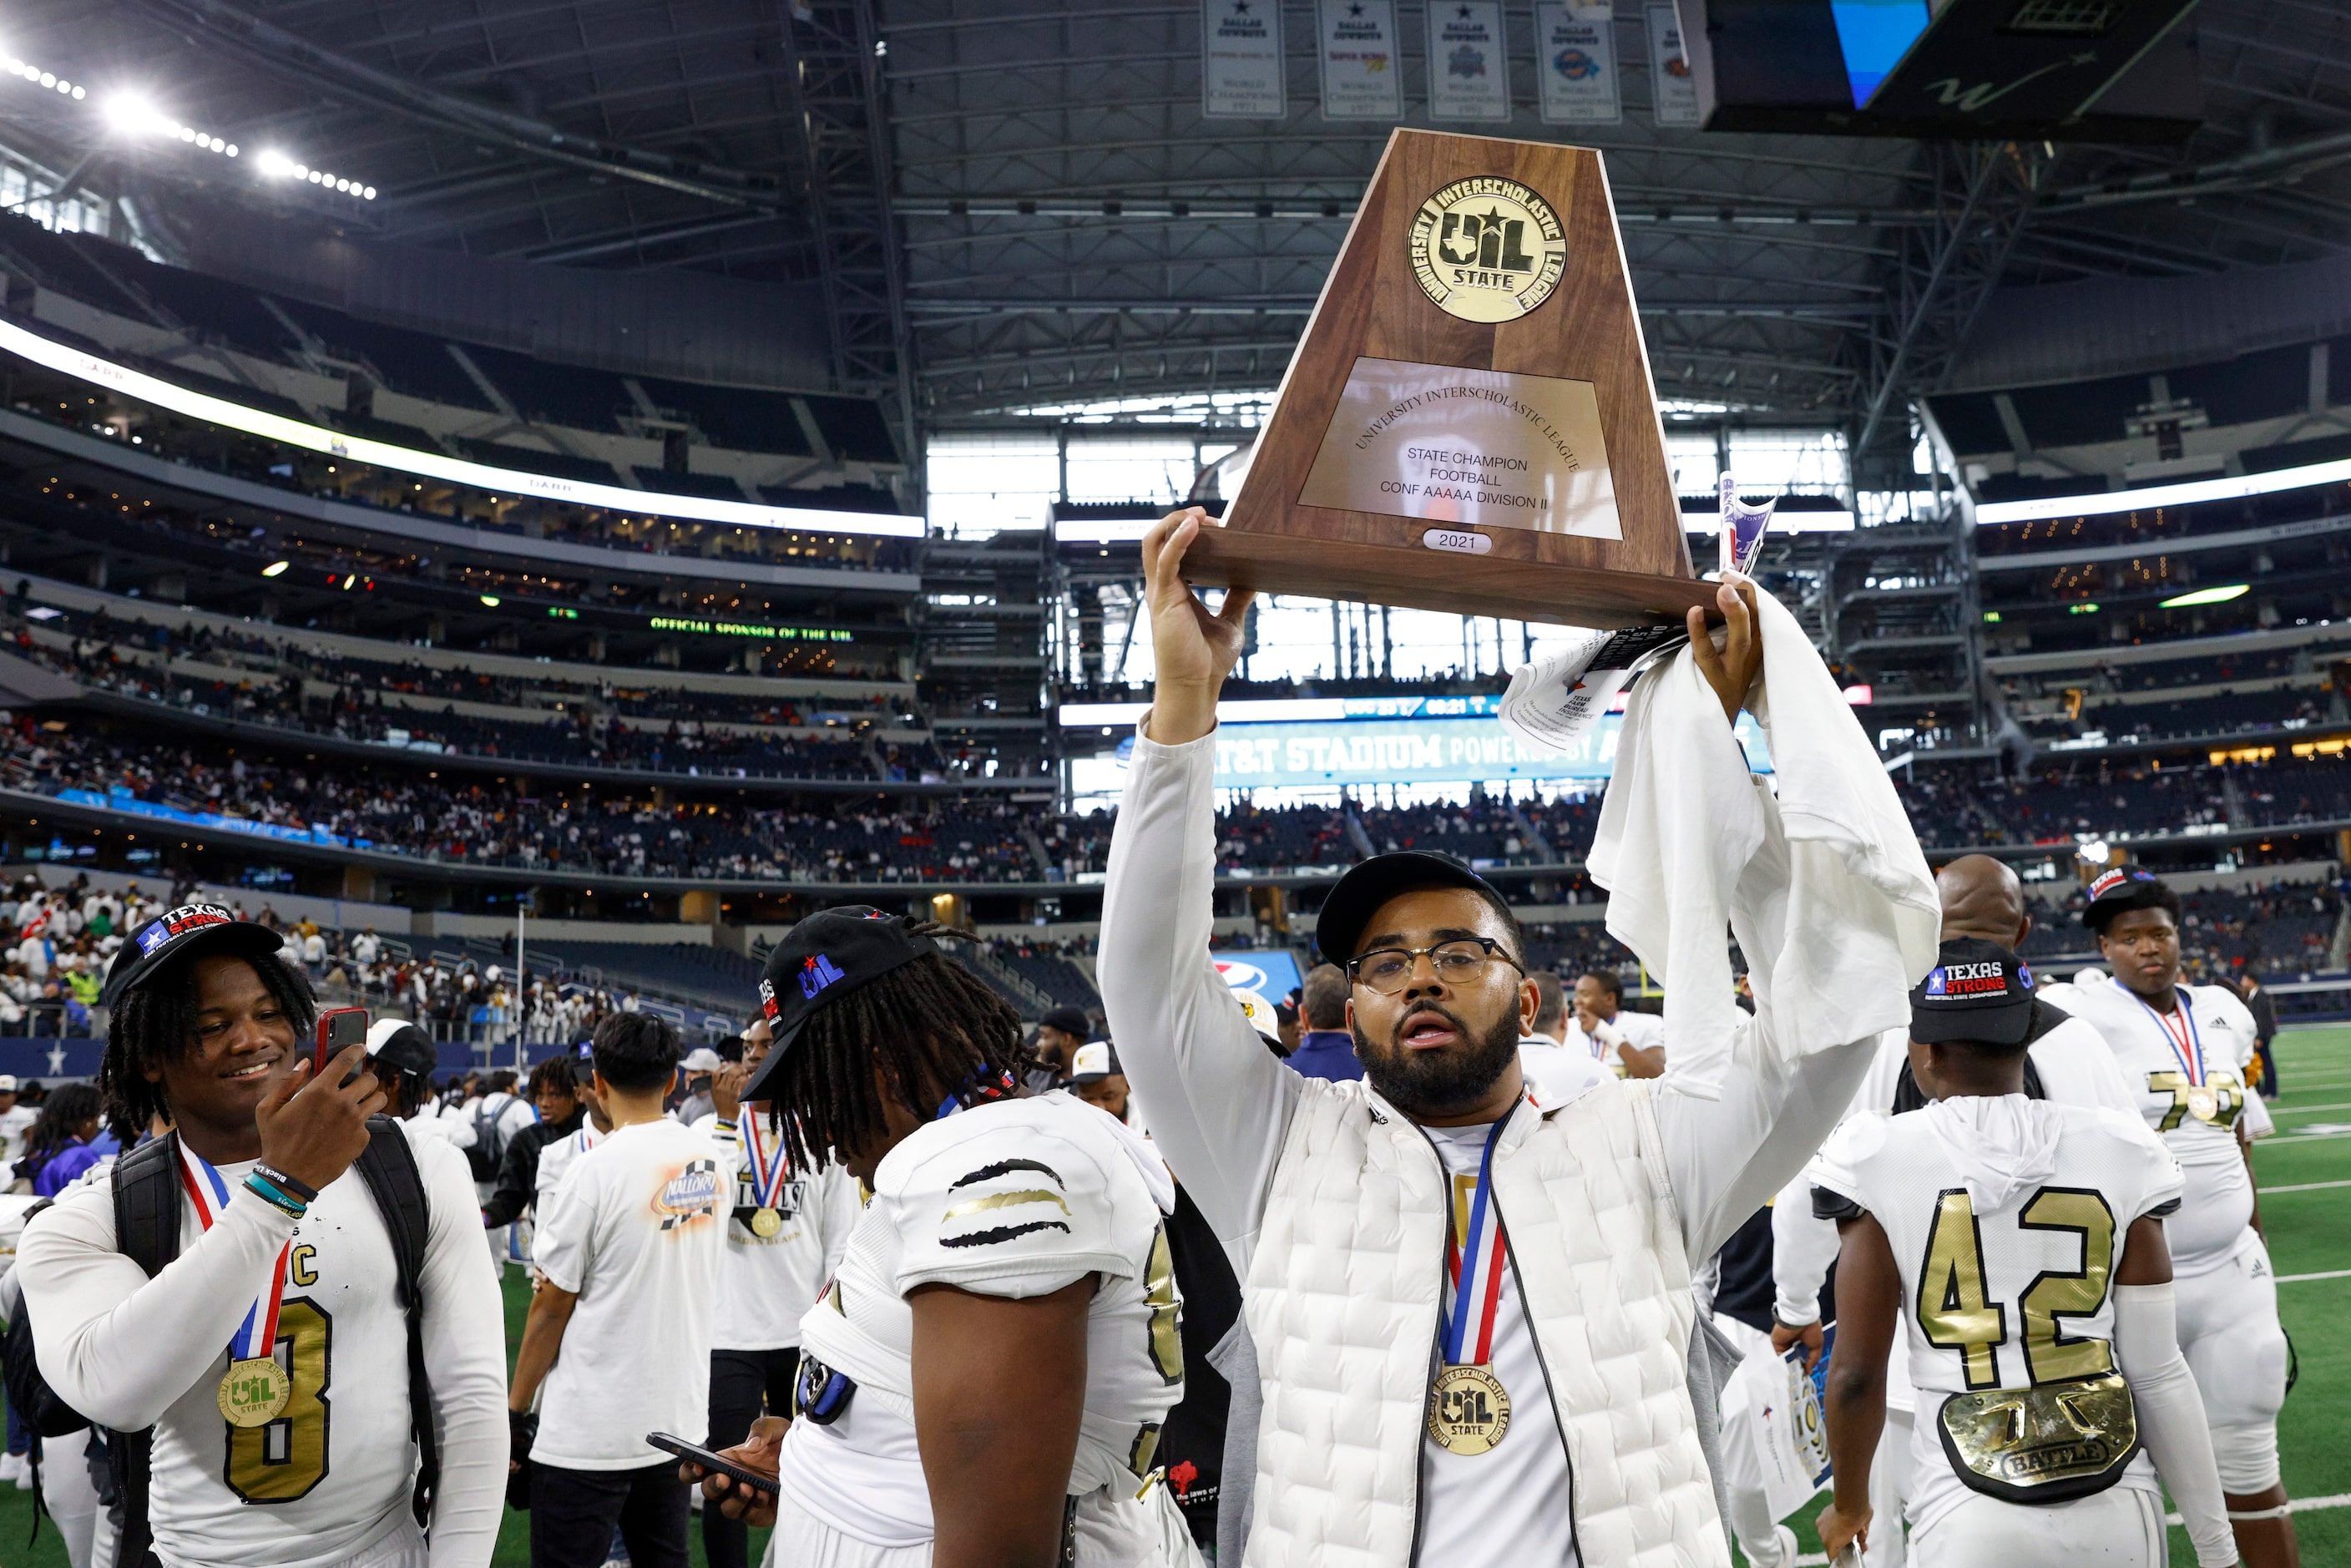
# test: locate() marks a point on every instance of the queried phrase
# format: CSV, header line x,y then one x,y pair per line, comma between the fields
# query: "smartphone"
x,y
338,1029
695,1453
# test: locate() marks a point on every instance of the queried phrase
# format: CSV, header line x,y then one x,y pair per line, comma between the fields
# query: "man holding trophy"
x,y
1470,1307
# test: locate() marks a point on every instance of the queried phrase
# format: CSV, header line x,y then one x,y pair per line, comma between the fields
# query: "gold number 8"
x,y
282,1461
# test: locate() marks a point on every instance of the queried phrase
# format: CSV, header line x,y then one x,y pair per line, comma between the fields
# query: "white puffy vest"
x,y
1342,1297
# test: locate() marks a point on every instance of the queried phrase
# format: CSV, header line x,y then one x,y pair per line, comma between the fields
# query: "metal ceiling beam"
x,y
834,78
1945,274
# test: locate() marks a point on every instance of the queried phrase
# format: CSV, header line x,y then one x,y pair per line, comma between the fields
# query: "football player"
x,y
2185,1051
984,1379
2021,1243
2065,1061
272,1357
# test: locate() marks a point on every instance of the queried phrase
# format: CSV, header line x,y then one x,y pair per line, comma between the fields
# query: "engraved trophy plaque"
x,y
1469,423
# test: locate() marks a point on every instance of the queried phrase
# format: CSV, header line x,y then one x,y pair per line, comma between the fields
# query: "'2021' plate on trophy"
x,y
1467,424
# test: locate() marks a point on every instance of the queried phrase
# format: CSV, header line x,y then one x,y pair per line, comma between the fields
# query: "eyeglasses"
x,y
1457,963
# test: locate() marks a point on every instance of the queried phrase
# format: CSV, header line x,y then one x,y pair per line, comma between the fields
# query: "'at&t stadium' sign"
x,y
1417,750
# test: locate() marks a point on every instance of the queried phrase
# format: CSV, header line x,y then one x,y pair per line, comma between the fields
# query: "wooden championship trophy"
x,y
1468,424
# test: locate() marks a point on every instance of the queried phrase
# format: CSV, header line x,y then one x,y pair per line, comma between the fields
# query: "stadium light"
x,y
2206,596
2186,492
275,568
490,600
125,382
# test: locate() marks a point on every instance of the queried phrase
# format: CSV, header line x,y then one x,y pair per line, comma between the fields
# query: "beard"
x,y
1438,1082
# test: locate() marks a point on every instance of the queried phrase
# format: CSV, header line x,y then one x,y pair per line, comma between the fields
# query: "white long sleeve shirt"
x,y
307,1490
1220,1108
1219,1104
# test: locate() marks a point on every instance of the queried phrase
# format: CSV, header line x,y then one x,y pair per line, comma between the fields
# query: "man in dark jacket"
x,y
553,1091
2264,1007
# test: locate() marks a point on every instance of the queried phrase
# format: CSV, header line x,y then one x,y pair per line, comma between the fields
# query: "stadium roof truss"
x,y
1014,203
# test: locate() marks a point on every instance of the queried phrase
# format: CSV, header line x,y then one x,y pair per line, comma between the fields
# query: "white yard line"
x,y
2329,1274
2298,1505
2304,1187
2280,1109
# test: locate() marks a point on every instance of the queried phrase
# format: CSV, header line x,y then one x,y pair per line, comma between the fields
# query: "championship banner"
x,y
1469,62
1361,79
1241,75
1575,63
1675,90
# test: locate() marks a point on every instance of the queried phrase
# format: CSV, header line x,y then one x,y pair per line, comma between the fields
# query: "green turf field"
x,y
2306,1234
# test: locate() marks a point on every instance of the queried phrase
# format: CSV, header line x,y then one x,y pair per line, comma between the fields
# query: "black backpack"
x,y
489,1142
147,1231
35,1404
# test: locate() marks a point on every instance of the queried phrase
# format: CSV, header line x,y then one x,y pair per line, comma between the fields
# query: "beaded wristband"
x,y
299,1190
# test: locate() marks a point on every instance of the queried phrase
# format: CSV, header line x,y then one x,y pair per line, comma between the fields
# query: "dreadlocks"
x,y
930,1022
156,1023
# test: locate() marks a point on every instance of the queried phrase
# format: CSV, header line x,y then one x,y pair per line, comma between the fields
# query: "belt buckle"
x,y
2052,1443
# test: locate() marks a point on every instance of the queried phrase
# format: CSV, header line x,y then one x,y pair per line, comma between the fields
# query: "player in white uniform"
x,y
2066,1061
785,1237
2021,1243
272,1357
984,1379
1629,1044
2185,1051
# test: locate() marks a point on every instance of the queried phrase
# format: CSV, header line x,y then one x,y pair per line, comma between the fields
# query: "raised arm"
x,y
1218,1104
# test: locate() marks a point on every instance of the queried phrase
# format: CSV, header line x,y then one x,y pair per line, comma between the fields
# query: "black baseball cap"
x,y
583,1062
825,957
2122,889
1978,990
1069,1020
402,1047
191,931
1372,882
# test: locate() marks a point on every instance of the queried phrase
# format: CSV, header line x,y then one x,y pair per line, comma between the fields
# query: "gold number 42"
x,y
1955,1313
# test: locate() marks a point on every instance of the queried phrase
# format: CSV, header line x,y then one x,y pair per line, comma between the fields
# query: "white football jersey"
x,y
331,1476
2187,1070
767,1282
1018,1198
2007,1219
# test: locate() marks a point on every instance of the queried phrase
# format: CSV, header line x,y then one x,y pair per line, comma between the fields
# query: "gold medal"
x,y
2202,1104
1469,1411
255,1392
765,1222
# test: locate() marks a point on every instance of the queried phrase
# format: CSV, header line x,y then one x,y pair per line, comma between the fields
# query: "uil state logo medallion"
x,y
1488,249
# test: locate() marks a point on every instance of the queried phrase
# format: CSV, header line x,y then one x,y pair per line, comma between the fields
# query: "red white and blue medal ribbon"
x,y
2187,1044
256,1389
767,1182
1468,1408
1473,1267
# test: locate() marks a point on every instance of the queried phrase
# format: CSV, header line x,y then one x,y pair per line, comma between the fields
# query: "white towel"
x,y
1824,887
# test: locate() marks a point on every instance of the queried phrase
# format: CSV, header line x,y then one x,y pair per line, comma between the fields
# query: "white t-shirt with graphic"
x,y
766,1284
635,1228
